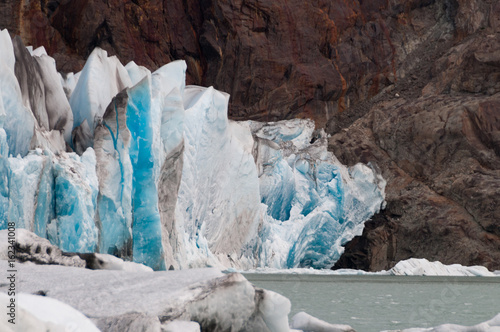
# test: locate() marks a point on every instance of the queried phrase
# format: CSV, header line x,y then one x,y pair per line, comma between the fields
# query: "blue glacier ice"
x,y
218,200
140,129
147,248
315,204
162,177
75,192
53,196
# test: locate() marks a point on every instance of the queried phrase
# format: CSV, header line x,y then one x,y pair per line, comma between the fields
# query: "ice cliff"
x,y
158,174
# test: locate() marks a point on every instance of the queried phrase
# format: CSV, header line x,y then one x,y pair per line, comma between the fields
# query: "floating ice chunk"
x,y
493,325
308,323
101,79
275,309
422,267
181,326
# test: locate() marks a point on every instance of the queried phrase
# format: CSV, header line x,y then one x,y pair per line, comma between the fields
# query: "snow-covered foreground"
x,y
61,298
78,299
126,296
159,174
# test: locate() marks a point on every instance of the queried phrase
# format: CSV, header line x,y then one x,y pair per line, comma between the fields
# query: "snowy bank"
x,y
215,300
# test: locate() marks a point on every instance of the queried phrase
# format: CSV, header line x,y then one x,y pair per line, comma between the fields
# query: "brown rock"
x,y
439,157
410,85
277,59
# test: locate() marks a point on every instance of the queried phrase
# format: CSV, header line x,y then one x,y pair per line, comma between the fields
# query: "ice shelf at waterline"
x,y
160,175
408,267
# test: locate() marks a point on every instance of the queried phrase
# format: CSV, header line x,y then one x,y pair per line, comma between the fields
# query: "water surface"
x,y
375,303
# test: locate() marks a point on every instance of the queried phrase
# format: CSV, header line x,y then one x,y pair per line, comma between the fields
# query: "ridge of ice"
x,y
100,80
409,267
171,181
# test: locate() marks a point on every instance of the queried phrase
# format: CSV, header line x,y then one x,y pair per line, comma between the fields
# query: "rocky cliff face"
x,y
277,59
410,85
435,134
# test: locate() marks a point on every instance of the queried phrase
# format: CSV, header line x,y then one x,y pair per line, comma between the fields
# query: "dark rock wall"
x,y
410,85
435,134
277,59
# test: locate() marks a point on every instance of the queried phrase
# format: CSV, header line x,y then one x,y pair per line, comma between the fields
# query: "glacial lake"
x,y
375,303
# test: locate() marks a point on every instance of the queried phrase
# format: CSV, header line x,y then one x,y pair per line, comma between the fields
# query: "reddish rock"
x,y
410,85
277,59
440,157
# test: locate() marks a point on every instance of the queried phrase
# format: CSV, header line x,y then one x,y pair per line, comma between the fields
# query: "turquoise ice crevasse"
x,y
140,127
146,228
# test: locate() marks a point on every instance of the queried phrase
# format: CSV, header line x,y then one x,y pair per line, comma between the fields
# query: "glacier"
x,y
124,161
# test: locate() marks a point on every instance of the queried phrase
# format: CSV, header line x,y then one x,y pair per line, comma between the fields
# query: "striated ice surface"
x,y
314,203
141,128
75,192
162,177
60,115
218,202
100,80
18,122
55,197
